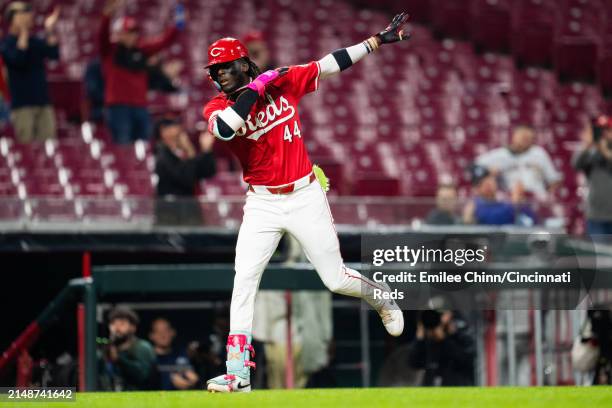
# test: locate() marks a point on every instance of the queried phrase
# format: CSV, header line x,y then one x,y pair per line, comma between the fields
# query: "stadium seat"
x,y
452,94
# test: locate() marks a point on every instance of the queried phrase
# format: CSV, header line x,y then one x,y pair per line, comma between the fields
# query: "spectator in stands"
x,y
522,161
174,368
444,348
258,50
94,89
163,75
124,65
5,95
179,168
131,360
594,158
486,209
24,56
446,205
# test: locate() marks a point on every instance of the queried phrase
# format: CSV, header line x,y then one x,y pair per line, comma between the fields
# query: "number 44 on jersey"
x,y
296,132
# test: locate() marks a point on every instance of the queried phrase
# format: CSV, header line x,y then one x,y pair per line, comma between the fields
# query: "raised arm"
x,y
343,58
51,34
104,32
152,46
224,123
585,157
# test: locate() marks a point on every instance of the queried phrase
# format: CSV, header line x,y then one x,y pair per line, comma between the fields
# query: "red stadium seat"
x,y
450,101
576,58
378,185
490,28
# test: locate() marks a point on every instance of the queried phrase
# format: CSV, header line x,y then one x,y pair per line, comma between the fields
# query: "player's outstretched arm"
x,y
343,58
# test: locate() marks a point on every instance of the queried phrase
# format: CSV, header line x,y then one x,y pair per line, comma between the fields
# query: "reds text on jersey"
x,y
270,145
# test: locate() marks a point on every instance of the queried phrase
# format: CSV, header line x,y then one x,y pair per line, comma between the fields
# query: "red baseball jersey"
x,y
270,146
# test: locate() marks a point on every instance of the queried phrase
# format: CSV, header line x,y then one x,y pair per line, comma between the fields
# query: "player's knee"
x,y
334,285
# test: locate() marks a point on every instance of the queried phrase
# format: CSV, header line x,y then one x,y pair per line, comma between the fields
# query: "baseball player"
x,y
256,114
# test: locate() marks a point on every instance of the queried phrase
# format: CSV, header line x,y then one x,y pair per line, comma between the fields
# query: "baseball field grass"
x,y
511,397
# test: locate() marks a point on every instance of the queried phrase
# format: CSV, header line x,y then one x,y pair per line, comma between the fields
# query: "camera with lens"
x,y
601,328
430,319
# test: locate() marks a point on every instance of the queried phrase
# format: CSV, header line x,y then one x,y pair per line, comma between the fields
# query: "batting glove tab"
x,y
394,31
259,84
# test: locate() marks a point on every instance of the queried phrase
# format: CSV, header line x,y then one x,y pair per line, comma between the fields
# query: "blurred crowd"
x,y
506,180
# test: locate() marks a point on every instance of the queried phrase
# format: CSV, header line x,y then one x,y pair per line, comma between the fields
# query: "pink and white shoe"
x,y
238,364
228,383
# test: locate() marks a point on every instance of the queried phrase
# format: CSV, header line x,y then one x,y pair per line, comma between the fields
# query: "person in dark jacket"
x,y
124,65
444,348
24,56
130,360
94,89
179,168
446,206
176,373
594,159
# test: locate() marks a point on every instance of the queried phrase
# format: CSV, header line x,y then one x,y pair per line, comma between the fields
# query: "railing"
x,y
145,213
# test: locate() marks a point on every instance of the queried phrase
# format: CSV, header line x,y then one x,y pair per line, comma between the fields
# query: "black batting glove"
x,y
394,31
282,71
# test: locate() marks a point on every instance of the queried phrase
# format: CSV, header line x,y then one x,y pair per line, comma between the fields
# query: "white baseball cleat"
x,y
393,319
228,383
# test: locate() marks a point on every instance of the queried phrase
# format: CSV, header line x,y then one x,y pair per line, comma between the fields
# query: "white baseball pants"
x,y
305,214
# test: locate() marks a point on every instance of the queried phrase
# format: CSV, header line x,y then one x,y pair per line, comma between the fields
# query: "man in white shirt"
x,y
522,162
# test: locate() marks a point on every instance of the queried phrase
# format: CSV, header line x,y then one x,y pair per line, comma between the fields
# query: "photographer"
x,y
130,360
595,160
444,349
592,350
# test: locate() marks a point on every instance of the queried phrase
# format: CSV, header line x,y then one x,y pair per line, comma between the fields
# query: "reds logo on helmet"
x,y
225,50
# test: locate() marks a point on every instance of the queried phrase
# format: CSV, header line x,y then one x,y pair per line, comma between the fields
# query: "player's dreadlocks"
x,y
254,70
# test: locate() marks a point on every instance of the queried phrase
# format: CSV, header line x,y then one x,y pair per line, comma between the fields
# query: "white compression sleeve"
x,y
231,118
343,58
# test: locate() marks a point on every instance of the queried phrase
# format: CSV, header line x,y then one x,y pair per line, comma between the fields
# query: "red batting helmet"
x,y
225,50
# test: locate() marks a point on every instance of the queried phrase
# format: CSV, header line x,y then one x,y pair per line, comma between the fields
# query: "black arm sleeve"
x,y
343,59
243,106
